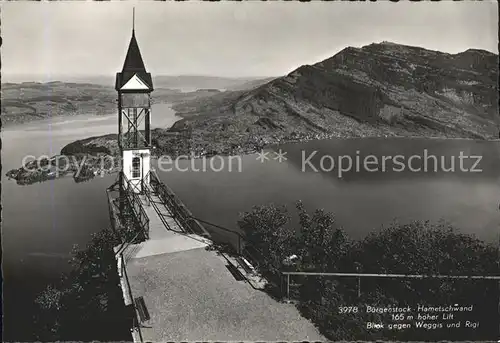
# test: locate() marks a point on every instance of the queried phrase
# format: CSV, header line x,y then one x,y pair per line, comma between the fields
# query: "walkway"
x,y
163,240
191,295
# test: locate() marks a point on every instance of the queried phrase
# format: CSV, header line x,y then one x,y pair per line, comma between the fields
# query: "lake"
x,y
41,222
361,200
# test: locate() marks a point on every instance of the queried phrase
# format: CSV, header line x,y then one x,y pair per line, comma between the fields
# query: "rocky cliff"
x,y
383,89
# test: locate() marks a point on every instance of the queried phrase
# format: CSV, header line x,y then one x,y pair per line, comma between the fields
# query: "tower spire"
x,y
133,67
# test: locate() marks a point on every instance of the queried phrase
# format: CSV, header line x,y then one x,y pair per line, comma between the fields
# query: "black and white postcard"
x,y
250,171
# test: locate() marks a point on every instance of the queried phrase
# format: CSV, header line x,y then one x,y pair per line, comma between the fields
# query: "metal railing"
x,y
135,203
141,220
191,224
149,198
286,276
136,322
195,225
253,254
144,184
179,211
112,212
239,245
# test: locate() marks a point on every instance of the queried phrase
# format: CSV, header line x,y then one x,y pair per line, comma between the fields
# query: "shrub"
x,y
414,248
86,304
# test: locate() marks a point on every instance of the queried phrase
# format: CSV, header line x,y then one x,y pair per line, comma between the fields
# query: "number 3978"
x,y
348,309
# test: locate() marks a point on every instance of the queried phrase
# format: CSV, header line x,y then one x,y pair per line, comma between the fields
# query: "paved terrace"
x,y
191,295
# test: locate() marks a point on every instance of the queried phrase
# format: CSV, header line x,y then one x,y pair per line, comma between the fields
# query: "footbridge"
x,y
178,286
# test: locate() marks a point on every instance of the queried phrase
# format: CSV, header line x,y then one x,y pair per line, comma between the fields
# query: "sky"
x,y
232,39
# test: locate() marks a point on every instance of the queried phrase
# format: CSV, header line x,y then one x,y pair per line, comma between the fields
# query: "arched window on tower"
x,y
136,167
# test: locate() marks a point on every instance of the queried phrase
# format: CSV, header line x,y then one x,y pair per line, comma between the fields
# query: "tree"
x,y
51,306
413,248
323,243
267,231
87,303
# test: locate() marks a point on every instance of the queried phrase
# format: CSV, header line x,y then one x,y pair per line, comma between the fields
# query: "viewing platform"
x,y
176,284
190,292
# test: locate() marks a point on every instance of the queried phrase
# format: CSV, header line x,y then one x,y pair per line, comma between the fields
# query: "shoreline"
x,y
35,119
12,125
86,155
89,159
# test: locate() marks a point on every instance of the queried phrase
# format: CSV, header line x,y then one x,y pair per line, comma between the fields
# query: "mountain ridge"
x,y
381,89
159,81
32,100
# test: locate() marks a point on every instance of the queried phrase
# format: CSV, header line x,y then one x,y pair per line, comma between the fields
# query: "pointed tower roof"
x,y
134,77
133,60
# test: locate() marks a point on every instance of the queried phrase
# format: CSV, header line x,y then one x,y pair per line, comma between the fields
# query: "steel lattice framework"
x,y
134,123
